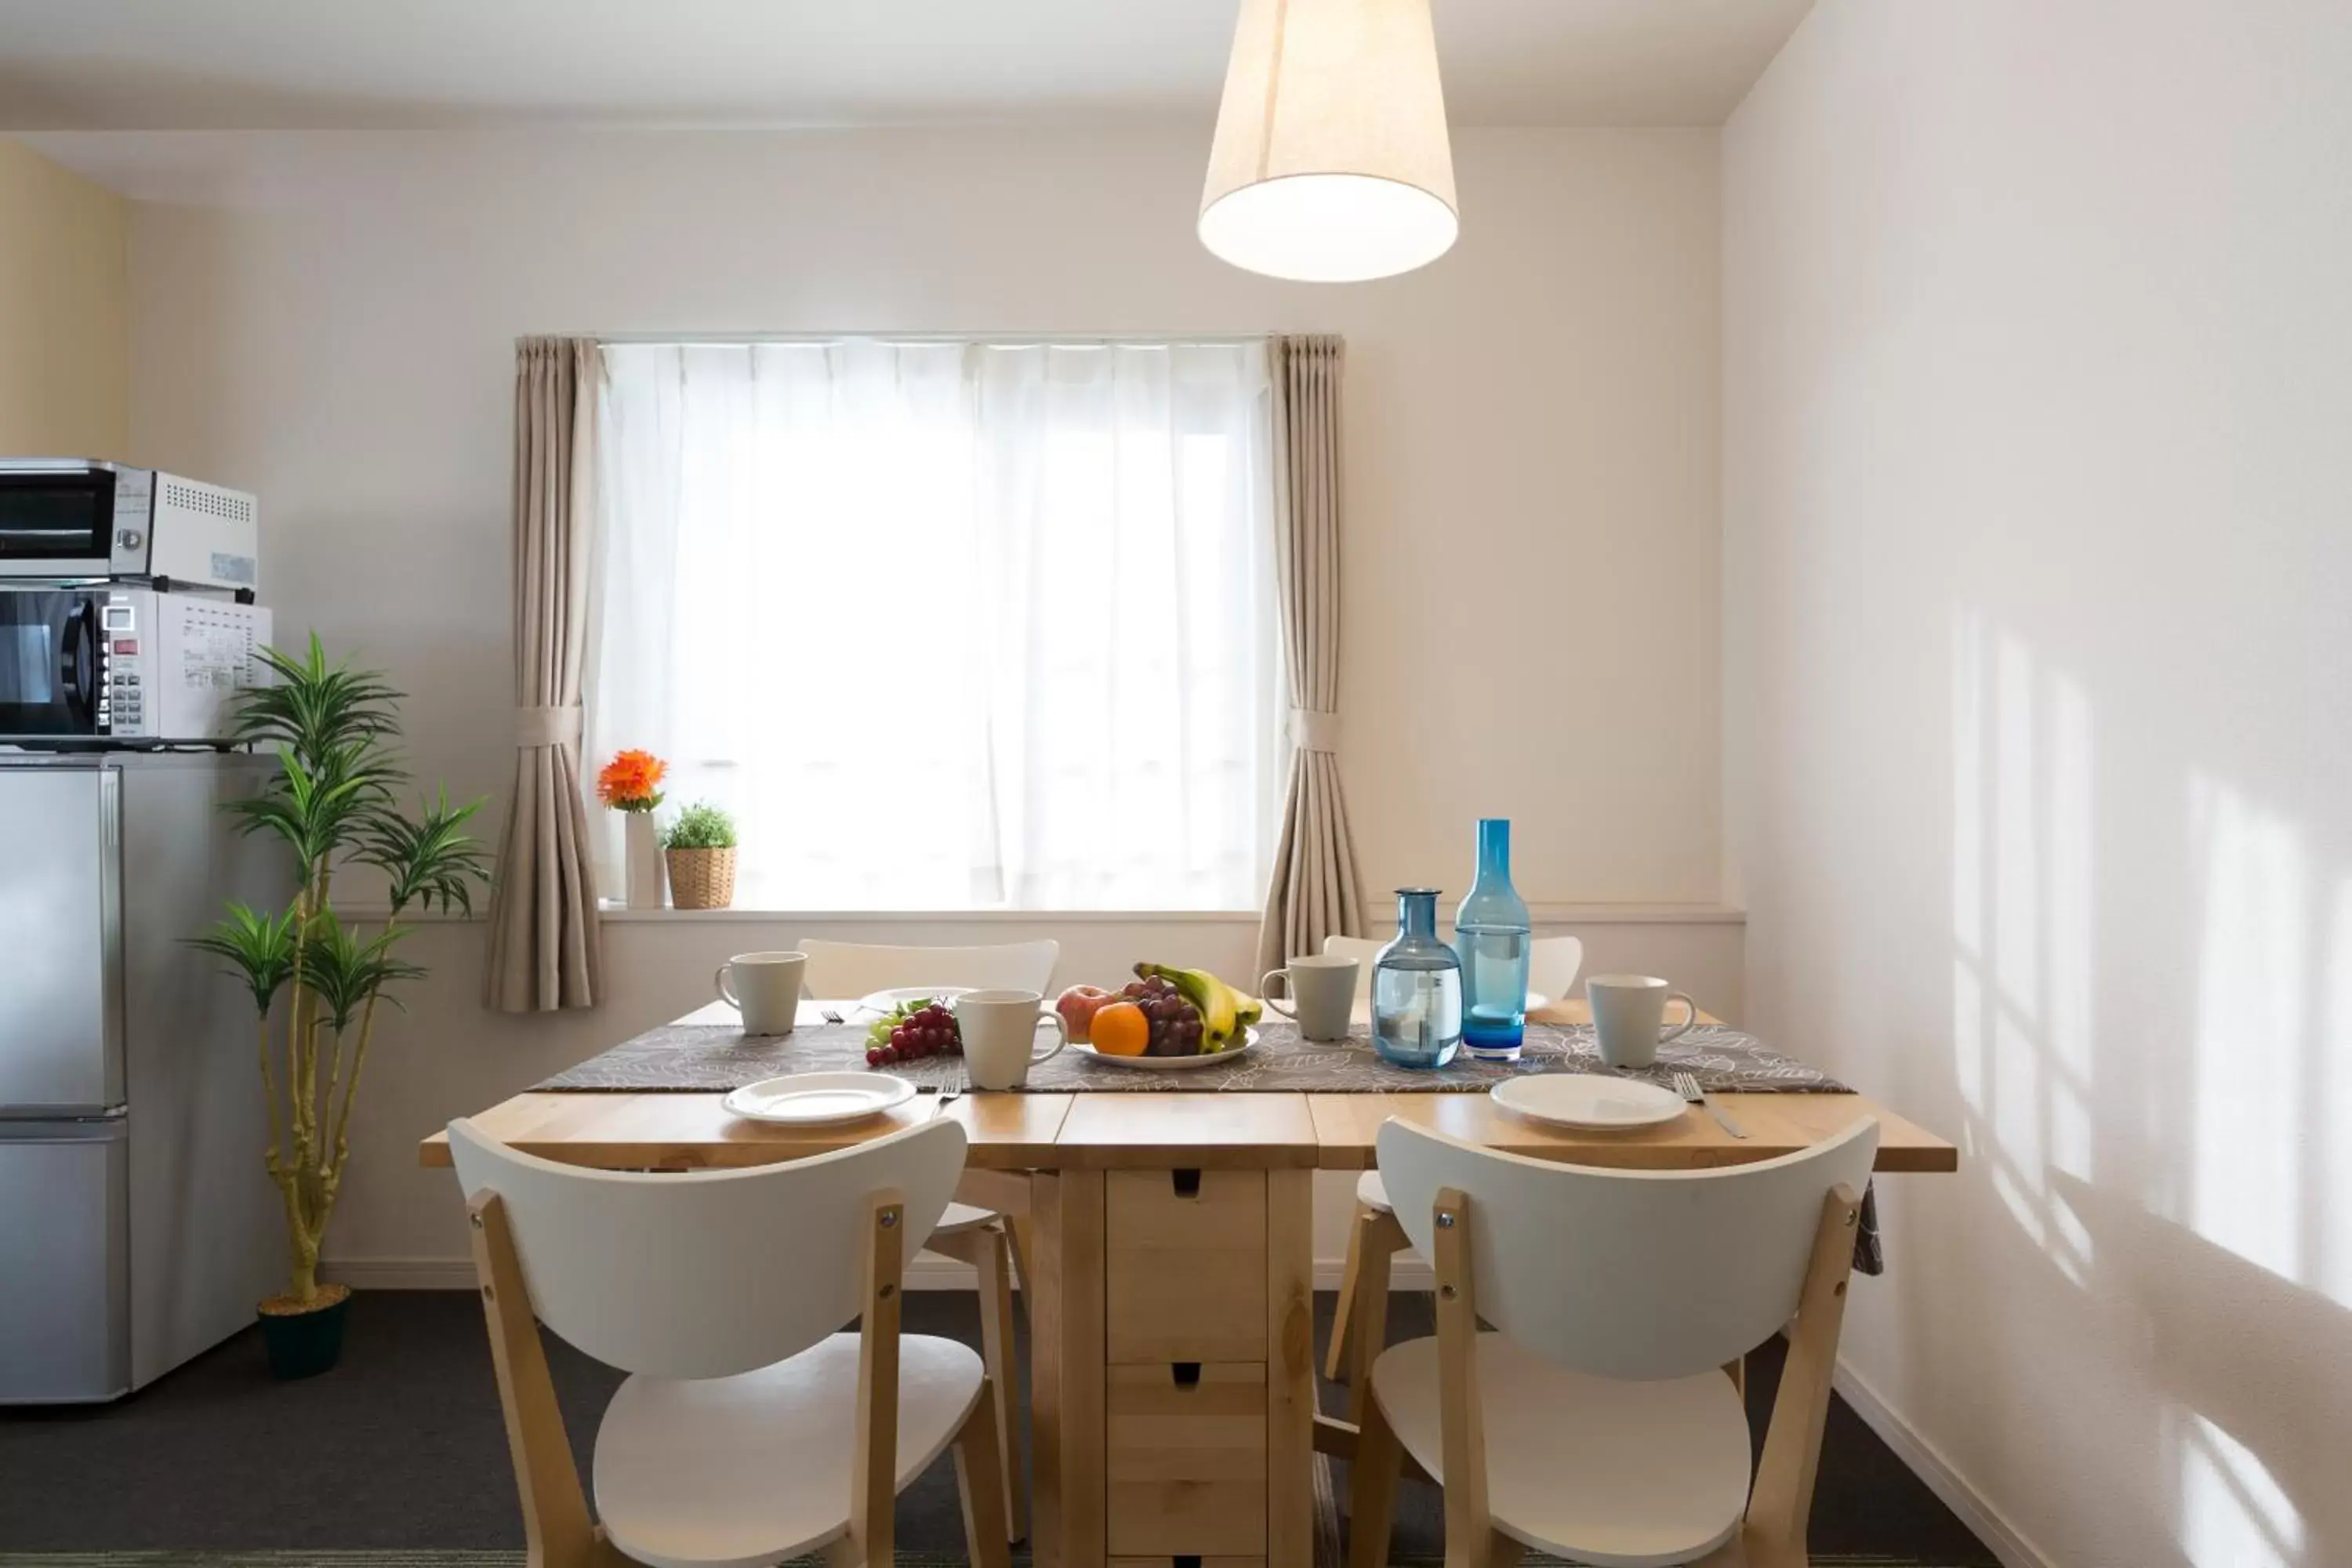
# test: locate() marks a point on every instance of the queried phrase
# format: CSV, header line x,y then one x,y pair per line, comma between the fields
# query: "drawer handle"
x,y
1188,1372
1190,1562
1186,1182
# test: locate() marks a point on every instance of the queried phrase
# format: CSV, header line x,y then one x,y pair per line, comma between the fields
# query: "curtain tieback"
x,y
547,726
1312,730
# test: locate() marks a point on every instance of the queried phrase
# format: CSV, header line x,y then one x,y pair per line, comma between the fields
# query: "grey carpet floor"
x,y
397,1459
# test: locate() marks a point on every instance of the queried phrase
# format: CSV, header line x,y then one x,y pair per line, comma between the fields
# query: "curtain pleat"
x,y
545,945
1316,890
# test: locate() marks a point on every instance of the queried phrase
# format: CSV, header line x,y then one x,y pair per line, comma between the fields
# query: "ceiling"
x,y
327,64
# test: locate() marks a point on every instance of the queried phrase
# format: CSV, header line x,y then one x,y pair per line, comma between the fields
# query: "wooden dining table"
x,y
1165,1246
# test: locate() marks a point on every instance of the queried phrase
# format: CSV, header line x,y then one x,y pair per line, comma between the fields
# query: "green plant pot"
x,y
304,1345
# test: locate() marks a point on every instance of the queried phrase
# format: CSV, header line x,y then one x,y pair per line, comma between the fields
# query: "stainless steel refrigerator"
x,y
137,1228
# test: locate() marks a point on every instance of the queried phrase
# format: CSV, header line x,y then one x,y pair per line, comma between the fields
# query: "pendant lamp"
x,y
1331,162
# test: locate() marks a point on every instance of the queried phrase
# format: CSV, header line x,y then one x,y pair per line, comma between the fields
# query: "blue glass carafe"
x,y
1491,936
1416,988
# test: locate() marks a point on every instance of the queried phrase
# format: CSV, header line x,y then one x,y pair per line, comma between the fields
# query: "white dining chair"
x,y
848,970
1362,949
1594,1422
981,1237
1552,965
751,1429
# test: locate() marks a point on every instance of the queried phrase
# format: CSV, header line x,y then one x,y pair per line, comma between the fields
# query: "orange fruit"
x,y
1120,1029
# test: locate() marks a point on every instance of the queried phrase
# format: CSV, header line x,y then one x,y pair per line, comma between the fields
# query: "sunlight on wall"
x,y
2021,909
2231,1510
2248,1076
2330,1106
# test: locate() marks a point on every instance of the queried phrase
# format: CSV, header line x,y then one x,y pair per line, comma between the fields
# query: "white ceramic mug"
x,y
1322,1000
765,987
1000,1036
1628,1011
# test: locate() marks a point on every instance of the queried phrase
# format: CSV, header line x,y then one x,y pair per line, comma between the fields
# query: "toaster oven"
x,y
63,518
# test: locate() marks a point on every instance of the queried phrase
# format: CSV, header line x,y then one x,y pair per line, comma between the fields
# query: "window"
x,y
946,625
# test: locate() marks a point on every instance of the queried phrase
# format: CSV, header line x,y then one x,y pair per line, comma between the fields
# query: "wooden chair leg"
x,y
1504,1550
1469,1526
980,1471
874,1446
1782,1500
994,1257
1371,1490
1377,1240
1336,1361
557,1529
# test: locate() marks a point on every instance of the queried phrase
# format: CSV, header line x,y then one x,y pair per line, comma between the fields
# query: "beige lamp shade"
x,y
1331,162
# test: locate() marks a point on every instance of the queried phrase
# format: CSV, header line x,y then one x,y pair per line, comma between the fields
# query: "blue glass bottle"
x,y
1416,988
1491,935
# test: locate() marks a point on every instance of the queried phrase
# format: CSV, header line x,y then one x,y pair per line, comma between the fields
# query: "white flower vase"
x,y
643,860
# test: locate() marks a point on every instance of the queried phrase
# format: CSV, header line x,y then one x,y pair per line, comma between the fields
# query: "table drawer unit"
x,y
1184,1275
1185,1460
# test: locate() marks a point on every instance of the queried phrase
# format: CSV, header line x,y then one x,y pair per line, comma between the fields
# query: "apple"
x,y
1079,1005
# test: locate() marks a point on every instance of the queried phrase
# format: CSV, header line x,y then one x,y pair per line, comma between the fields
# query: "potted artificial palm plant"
x,y
316,981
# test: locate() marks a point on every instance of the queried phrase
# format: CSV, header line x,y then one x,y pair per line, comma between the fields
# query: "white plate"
x,y
819,1099
1169,1064
1587,1101
884,1001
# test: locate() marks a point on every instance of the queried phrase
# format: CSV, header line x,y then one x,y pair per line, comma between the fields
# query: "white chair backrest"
x,y
847,969
1552,964
1360,949
1627,1274
707,1273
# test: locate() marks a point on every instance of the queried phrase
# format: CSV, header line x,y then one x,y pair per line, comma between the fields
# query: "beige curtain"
x,y
545,950
1315,891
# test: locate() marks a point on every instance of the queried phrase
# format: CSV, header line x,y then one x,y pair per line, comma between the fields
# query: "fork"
x,y
1687,1087
953,1091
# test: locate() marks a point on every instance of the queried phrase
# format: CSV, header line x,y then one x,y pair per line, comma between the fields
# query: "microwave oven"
x,y
116,665
72,517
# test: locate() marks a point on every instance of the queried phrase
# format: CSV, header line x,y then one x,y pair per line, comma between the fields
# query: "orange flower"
x,y
628,782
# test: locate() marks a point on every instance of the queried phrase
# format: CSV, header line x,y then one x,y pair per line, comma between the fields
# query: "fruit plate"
x,y
886,1001
1587,1101
819,1099
1167,1064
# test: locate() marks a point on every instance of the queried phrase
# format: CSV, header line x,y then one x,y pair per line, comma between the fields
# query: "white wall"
x,y
2039,531
1531,471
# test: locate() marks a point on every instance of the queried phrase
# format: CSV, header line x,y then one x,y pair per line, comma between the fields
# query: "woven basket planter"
x,y
701,879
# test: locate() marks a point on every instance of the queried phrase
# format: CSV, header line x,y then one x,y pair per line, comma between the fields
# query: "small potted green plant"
x,y
701,849
314,979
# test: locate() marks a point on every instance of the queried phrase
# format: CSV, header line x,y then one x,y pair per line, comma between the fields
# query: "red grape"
x,y
874,1057
901,1036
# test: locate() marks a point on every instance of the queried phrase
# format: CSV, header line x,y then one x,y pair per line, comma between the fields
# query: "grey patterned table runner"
x,y
701,1058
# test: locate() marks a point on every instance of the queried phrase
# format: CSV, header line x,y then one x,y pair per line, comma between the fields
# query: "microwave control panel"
x,y
168,662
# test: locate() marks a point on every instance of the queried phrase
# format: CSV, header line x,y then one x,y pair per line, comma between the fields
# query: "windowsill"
x,y
1550,916
1545,915
613,913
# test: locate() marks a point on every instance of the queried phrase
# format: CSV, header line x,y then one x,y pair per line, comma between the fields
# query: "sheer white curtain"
x,y
949,624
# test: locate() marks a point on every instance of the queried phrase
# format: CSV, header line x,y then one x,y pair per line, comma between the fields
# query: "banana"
x,y
1247,1010
1212,995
